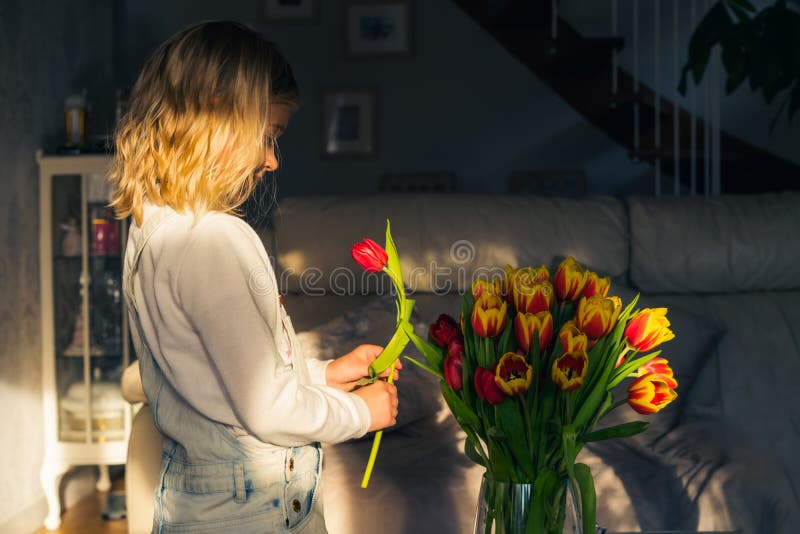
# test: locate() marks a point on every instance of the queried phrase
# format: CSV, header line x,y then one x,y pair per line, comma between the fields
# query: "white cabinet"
x,y
85,340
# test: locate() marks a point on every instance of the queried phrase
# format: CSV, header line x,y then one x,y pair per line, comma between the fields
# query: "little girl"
x,y
240,409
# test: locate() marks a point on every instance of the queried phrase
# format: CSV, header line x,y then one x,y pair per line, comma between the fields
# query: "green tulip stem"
x,y
376,443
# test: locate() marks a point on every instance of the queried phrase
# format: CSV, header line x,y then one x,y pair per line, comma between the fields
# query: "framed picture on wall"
x,y
349,122
291,10
378,28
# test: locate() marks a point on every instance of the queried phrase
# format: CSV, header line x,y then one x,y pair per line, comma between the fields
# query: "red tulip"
x,y
369,255
453,370
486,387
444,330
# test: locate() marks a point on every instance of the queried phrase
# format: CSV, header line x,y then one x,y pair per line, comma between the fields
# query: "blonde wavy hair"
x,y
196,132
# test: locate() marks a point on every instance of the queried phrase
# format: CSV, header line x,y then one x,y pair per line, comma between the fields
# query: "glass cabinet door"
x,y
90,331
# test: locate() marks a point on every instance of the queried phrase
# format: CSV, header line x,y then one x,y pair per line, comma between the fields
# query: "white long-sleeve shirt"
x,y
210,313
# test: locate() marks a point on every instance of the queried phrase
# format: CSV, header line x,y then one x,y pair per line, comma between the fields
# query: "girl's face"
x,y
279,115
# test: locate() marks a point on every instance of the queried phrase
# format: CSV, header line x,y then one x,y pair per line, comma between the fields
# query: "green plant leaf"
x,y
393,263
620,431
432,353
472,453
463,413
583,475
624,370
390,353
425,367
508,418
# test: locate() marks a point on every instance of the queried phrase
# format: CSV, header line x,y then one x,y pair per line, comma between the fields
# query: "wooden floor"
x,y
84,516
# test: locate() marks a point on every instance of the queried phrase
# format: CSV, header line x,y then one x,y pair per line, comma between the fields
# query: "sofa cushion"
x,y
717,244
374,323
689,353
443,240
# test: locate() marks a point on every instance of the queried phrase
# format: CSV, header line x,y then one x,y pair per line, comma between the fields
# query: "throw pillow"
x,y
418,391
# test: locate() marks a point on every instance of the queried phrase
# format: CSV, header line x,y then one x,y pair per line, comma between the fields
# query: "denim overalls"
x,y
210,479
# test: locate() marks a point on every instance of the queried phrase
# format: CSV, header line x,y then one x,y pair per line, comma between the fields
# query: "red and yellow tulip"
x,y
659,366
513,374
530,296
571,338
596,285
526,324
648,329
650,393
489,315
596,316
482,286
569,370
569,280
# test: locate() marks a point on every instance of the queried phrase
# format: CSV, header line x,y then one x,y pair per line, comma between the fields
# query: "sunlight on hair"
x,y
193,137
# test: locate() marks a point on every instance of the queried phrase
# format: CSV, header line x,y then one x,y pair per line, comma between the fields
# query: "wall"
x,y
461,104
47,50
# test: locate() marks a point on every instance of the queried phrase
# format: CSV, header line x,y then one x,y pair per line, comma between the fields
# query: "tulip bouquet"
x,y
531,369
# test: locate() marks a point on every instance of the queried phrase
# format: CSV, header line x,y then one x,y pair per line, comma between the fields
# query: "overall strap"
x,y
149,227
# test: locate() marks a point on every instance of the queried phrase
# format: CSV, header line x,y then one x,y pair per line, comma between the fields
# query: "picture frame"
x,y
378,28
291,11
350,122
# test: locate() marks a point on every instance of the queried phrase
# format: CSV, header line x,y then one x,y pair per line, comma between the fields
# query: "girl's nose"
x,y
271,162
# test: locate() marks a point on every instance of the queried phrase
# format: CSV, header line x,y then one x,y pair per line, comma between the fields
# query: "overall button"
x,y
296,506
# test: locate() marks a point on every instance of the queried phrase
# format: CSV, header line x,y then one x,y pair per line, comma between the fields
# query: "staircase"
x,y
580,70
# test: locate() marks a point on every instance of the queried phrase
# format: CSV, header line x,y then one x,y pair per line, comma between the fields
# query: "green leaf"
x,y
424,367
546,480
504,342
472,453
623,371
432,353
390,353
583,475
744,5
393,263
509,419
463,413
620,431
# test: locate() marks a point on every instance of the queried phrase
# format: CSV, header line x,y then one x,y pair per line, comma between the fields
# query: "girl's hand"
x,y
346,370
381,399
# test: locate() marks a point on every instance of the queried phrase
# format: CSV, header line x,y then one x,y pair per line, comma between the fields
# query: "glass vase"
x,y
506,508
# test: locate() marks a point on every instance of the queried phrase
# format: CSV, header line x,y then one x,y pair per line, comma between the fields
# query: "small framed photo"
x,y
291,10
379,28
349,122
